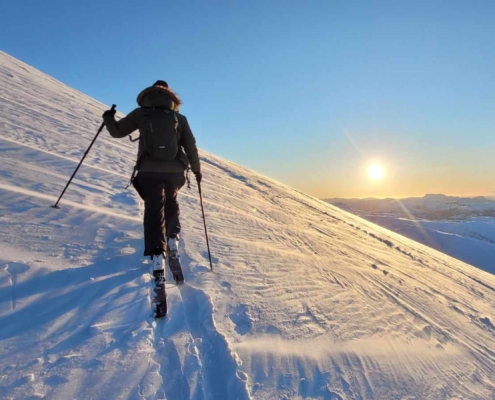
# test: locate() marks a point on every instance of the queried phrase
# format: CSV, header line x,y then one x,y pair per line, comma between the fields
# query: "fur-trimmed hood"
x,y
159,96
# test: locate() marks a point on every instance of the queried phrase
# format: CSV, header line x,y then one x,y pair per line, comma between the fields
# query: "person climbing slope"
x,y
166,148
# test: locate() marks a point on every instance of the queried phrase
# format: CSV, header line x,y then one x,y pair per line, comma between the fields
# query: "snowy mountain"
x,y
306,301
463,228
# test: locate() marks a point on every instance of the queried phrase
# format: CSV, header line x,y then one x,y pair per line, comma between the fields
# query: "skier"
x,y
166,148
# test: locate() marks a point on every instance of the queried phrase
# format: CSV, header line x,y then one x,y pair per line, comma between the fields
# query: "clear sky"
x,y
307,92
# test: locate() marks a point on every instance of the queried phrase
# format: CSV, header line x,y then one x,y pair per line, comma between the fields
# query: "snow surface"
x,y
306,301
451,225
471,240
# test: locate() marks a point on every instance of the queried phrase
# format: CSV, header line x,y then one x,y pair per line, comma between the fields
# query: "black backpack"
x,y
159,135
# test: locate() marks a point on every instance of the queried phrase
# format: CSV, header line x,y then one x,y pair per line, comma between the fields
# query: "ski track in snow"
x,y
305,301
194,360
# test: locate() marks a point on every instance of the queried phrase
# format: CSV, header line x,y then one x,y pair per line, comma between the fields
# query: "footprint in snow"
x,y
199,269
241,319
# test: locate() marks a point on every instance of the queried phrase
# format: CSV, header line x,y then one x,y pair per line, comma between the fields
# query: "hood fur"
x,y
159,96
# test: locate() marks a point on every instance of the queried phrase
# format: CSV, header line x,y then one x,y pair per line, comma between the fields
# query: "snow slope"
x,y
471,240
306,301
452,225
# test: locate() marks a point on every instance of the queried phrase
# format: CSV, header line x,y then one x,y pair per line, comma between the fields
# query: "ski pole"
x,y
204,222
84,156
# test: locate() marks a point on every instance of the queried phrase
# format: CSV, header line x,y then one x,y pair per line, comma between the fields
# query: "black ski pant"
x,y
161,209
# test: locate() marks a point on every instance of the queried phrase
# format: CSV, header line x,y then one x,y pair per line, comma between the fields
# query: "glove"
x,y
109,113
198,176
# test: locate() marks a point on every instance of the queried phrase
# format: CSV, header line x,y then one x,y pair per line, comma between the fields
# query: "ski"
x,y
159,294
175,266
173,260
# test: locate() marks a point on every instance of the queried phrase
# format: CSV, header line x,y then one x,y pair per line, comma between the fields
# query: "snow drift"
x,y
306,301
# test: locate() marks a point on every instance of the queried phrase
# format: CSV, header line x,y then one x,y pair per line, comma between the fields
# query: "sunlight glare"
x,y
376,172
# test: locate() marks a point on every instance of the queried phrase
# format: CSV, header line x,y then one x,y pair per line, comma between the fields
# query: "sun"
x,y
376,172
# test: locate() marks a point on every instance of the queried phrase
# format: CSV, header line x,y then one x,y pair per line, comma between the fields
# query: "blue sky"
x,y
308,93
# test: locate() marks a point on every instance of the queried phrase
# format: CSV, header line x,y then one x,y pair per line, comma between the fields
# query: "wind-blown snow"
x,y
305,302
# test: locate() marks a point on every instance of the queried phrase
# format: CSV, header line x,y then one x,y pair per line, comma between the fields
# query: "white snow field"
x,y
305,301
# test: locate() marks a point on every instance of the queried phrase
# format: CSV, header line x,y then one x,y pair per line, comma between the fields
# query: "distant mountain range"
x,y
461,227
